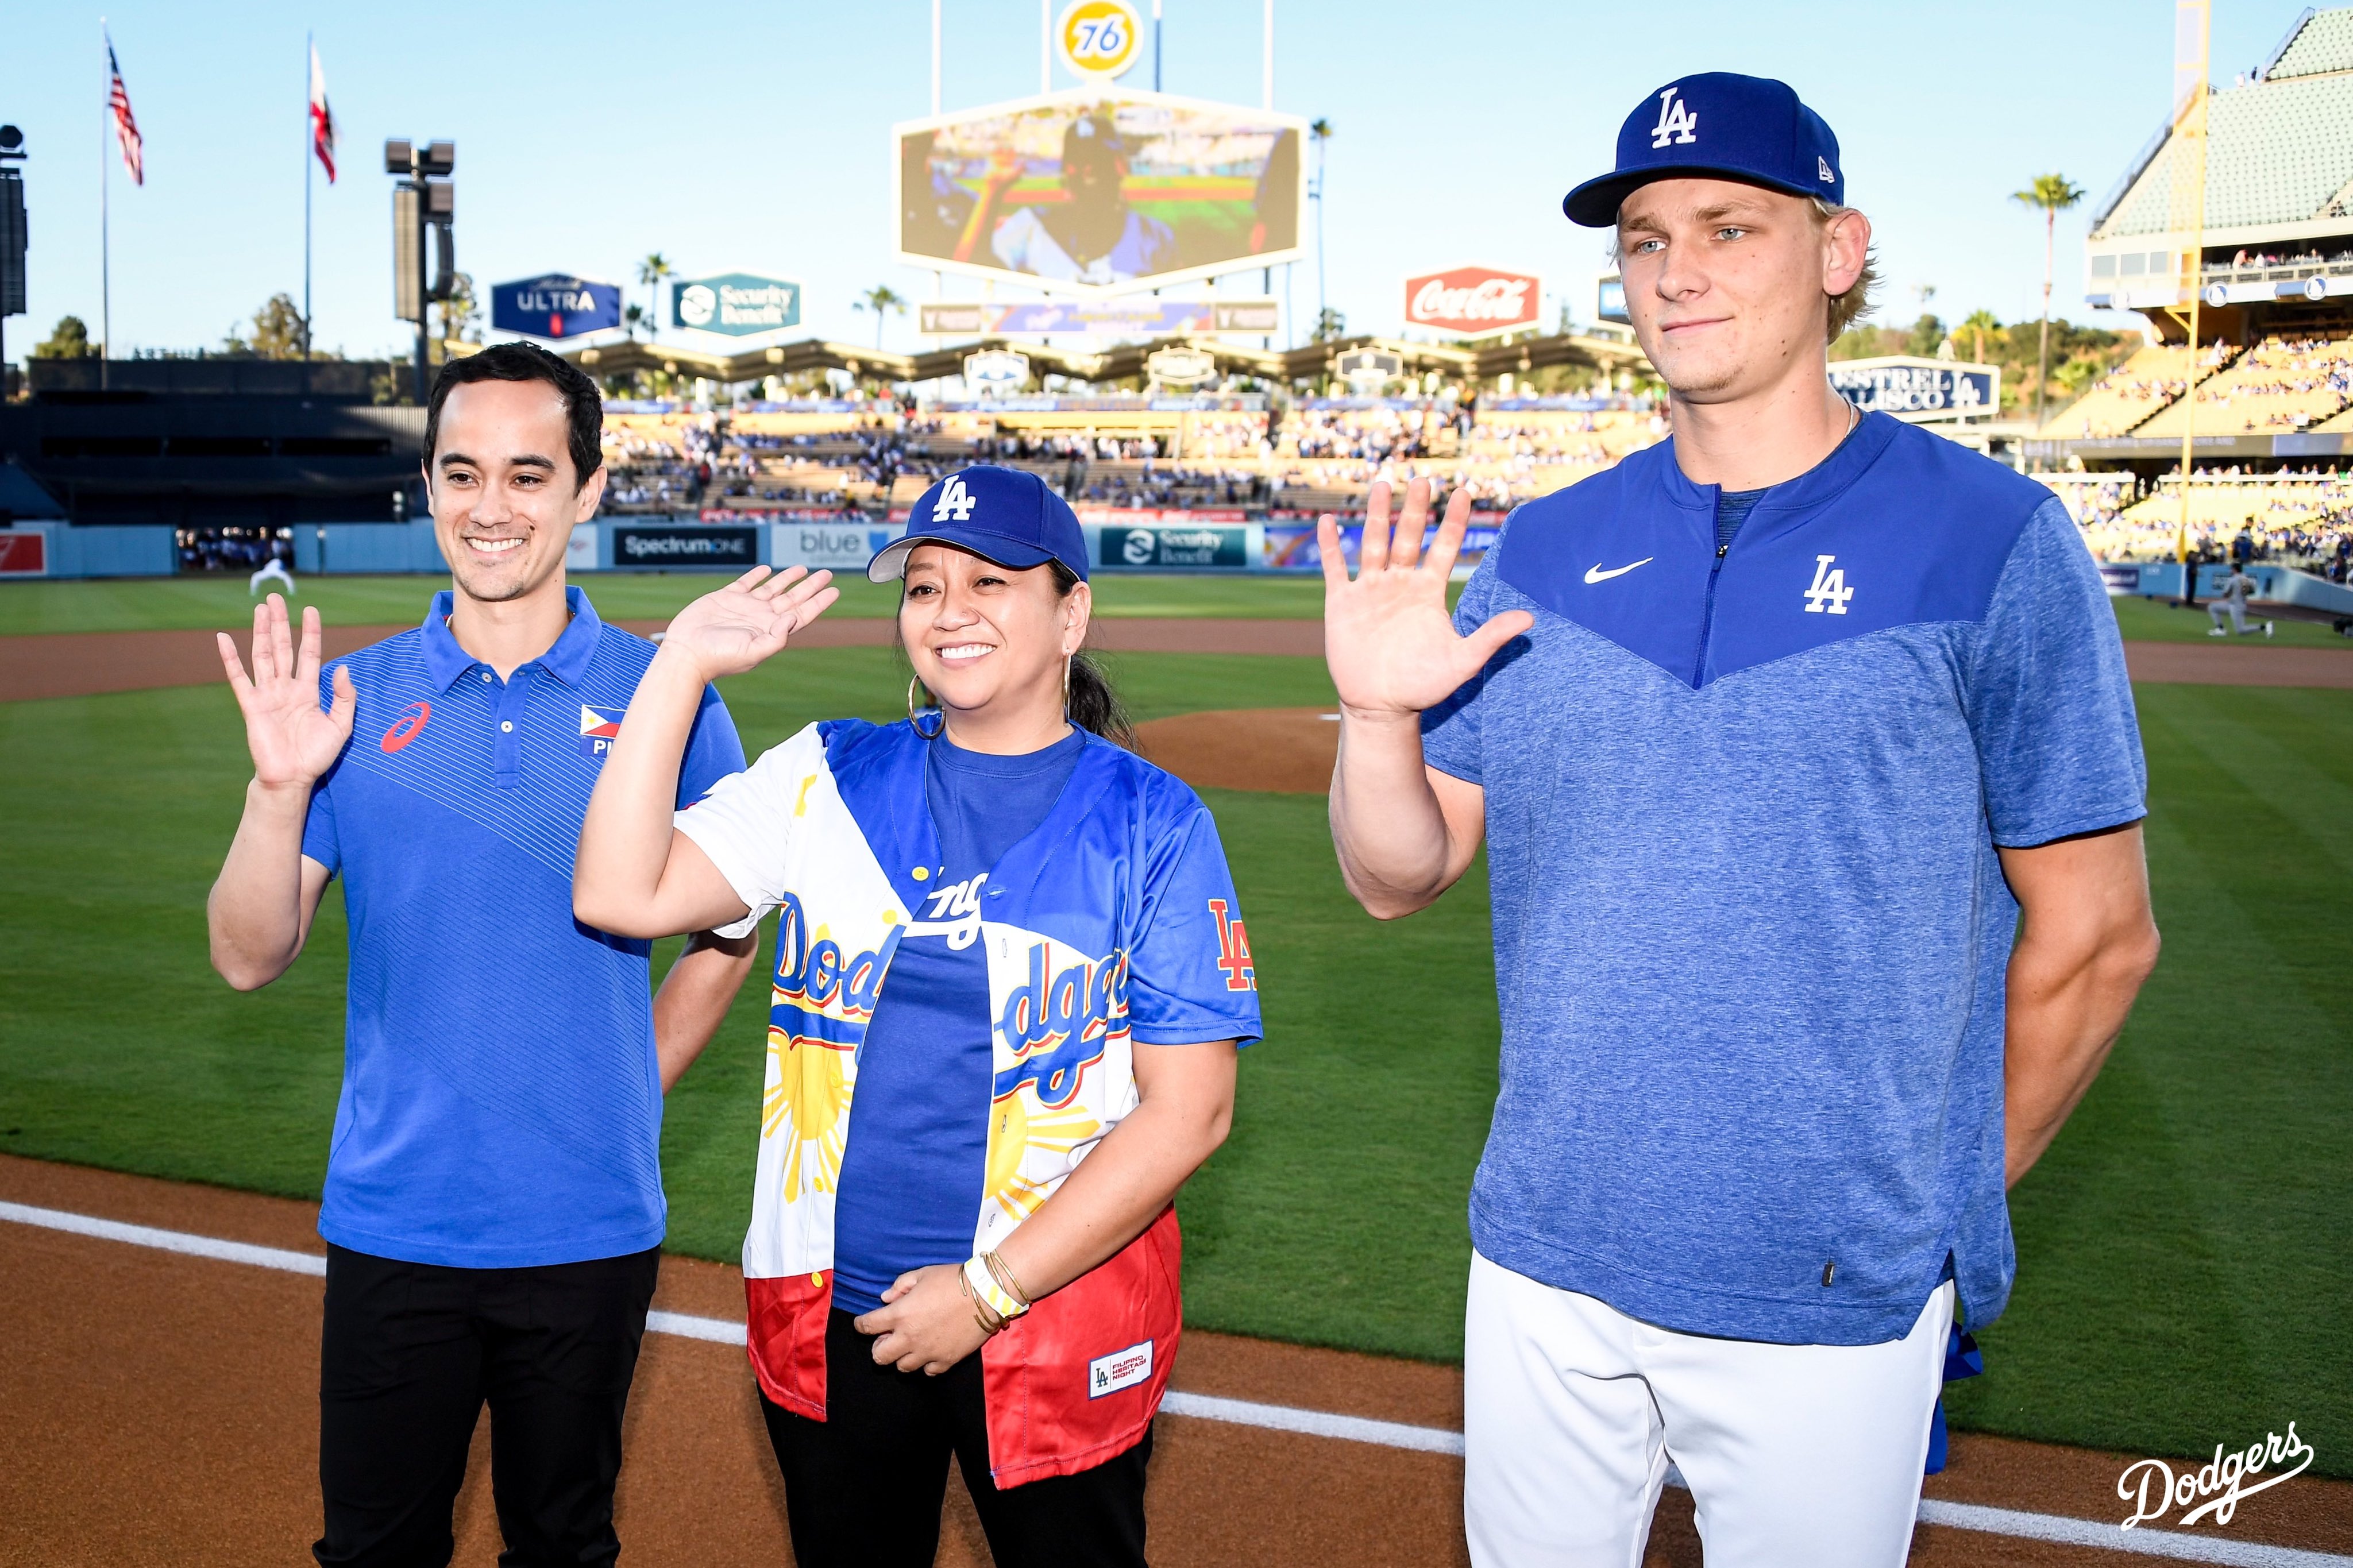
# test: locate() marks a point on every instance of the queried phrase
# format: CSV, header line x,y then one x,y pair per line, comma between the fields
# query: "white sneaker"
x,y
2267,628
2216,632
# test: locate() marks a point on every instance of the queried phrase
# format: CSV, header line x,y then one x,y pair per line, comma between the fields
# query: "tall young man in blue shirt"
x,y
493,1207
1772,733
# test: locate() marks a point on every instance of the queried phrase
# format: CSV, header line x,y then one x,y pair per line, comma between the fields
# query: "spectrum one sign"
x,y
1473,301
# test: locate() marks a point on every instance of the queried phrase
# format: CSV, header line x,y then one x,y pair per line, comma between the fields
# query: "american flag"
x,y
323,119
126,125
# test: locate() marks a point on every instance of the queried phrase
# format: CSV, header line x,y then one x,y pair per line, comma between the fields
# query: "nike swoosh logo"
x,y
1594,574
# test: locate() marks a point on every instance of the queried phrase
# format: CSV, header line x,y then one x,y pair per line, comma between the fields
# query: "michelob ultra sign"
x,y
1473,301
556,305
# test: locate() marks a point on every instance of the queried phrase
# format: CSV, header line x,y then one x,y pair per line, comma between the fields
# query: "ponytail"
x,y
1090,703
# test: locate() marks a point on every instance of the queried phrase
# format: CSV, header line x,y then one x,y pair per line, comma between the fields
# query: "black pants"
x,y
863,1487
411,1352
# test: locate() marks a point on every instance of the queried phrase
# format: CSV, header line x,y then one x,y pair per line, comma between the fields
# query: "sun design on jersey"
x,y
810,1089
1016,1124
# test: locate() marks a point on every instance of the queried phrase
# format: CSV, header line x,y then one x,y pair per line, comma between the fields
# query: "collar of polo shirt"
x,y
445,660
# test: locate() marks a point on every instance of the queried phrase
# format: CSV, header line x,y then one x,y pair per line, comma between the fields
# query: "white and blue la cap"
x,y
1718,126
1005,515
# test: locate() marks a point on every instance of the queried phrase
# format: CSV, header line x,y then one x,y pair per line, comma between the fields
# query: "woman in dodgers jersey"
x,y
1011,979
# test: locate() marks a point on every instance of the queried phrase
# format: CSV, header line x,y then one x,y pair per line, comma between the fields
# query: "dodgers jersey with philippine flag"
x,y
1112,924
1742,809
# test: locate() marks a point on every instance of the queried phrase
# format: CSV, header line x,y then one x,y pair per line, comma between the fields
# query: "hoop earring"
x,y
915,719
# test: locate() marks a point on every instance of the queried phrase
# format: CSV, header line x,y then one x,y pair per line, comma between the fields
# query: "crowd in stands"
x,y
233,549
2297,517
2127,395
2278,385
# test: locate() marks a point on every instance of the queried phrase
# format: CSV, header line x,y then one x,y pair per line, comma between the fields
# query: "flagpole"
x,y
105,232
309,50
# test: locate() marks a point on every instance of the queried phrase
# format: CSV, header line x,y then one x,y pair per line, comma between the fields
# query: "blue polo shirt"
x,y
501,1104
1751,933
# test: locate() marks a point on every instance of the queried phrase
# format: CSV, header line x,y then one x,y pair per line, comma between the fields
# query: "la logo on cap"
x,y
955,504
1676,121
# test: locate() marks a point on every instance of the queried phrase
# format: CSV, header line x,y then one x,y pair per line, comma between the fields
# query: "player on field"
x,y
1012,978
1772,732
493,1209
2233,591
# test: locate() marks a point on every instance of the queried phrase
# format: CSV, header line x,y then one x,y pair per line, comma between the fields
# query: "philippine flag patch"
x,y
597,727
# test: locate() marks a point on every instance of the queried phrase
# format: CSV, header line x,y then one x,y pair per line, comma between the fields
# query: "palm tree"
x,y
651,272
2053,194
1979,324
881,299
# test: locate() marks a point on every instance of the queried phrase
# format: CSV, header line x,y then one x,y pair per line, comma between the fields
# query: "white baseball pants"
x,y
1796,1456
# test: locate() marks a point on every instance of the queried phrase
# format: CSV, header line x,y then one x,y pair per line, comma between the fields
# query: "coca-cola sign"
x,y
1472,301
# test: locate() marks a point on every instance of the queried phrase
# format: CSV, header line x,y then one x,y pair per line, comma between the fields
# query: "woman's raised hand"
x,y
1387,636
293,739
733,630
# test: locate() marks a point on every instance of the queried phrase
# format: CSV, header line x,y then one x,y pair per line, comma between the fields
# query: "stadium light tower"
x,y
13,240
424,200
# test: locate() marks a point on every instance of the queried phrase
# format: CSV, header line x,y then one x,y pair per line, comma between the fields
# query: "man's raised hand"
x,y
1387,636
292,740
733,630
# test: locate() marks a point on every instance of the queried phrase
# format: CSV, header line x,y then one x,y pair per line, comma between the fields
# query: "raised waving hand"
x,y
293,739
738,627
1387,636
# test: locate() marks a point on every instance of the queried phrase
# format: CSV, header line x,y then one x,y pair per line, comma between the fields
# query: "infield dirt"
x,y
162,1409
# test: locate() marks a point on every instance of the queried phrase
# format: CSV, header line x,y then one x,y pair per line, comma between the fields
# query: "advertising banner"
x,y
1101,318
556,305
996,370
1098,37
1099,190
731,549
736,303
1189,547
1134,515
24,554
1473,302
1292,546
1918,389
580,552
841,544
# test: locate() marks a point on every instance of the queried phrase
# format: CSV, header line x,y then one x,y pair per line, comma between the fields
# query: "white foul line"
x,y
2055,1528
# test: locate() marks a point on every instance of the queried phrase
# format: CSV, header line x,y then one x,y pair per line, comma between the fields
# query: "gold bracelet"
x,y
985,1288
980,1310
1002,1272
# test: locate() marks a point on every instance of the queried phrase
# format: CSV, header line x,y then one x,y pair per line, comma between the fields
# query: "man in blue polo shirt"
x,y
493,1208
1772,733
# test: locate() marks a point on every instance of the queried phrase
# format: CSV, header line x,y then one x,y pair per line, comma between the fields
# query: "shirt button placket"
x,y
513,697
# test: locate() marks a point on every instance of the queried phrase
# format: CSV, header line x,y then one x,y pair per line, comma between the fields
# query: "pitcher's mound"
x,y
1287,749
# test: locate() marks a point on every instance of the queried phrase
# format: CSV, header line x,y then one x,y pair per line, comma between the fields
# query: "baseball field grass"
x,y
2182,1250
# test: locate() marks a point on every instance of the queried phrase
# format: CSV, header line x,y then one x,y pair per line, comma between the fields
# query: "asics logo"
x,y
954,503
1594,574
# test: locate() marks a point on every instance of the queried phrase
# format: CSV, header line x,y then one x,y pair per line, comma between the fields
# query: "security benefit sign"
x,y
1189,548
1473,301
1099,190
732,549
736,303
1918,390
556,305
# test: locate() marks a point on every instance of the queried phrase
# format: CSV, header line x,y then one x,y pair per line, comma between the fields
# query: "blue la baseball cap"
x,y
1005,515
1716,125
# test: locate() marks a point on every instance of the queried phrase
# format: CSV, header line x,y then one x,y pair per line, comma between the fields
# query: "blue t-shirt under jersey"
x,y
918,1145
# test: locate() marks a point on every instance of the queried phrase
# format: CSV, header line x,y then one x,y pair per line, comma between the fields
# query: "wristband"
x,y
990,1293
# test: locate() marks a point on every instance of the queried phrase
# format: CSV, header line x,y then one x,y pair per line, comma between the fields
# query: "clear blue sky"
x,y
755,138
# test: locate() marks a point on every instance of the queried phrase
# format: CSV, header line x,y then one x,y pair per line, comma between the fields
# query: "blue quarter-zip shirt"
x,y
1751,932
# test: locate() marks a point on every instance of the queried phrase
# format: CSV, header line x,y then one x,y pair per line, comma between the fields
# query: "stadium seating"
x,y
2128,395
2299,519
2278,385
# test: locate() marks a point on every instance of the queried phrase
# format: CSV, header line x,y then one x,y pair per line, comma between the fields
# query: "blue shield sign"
x,y
556,306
